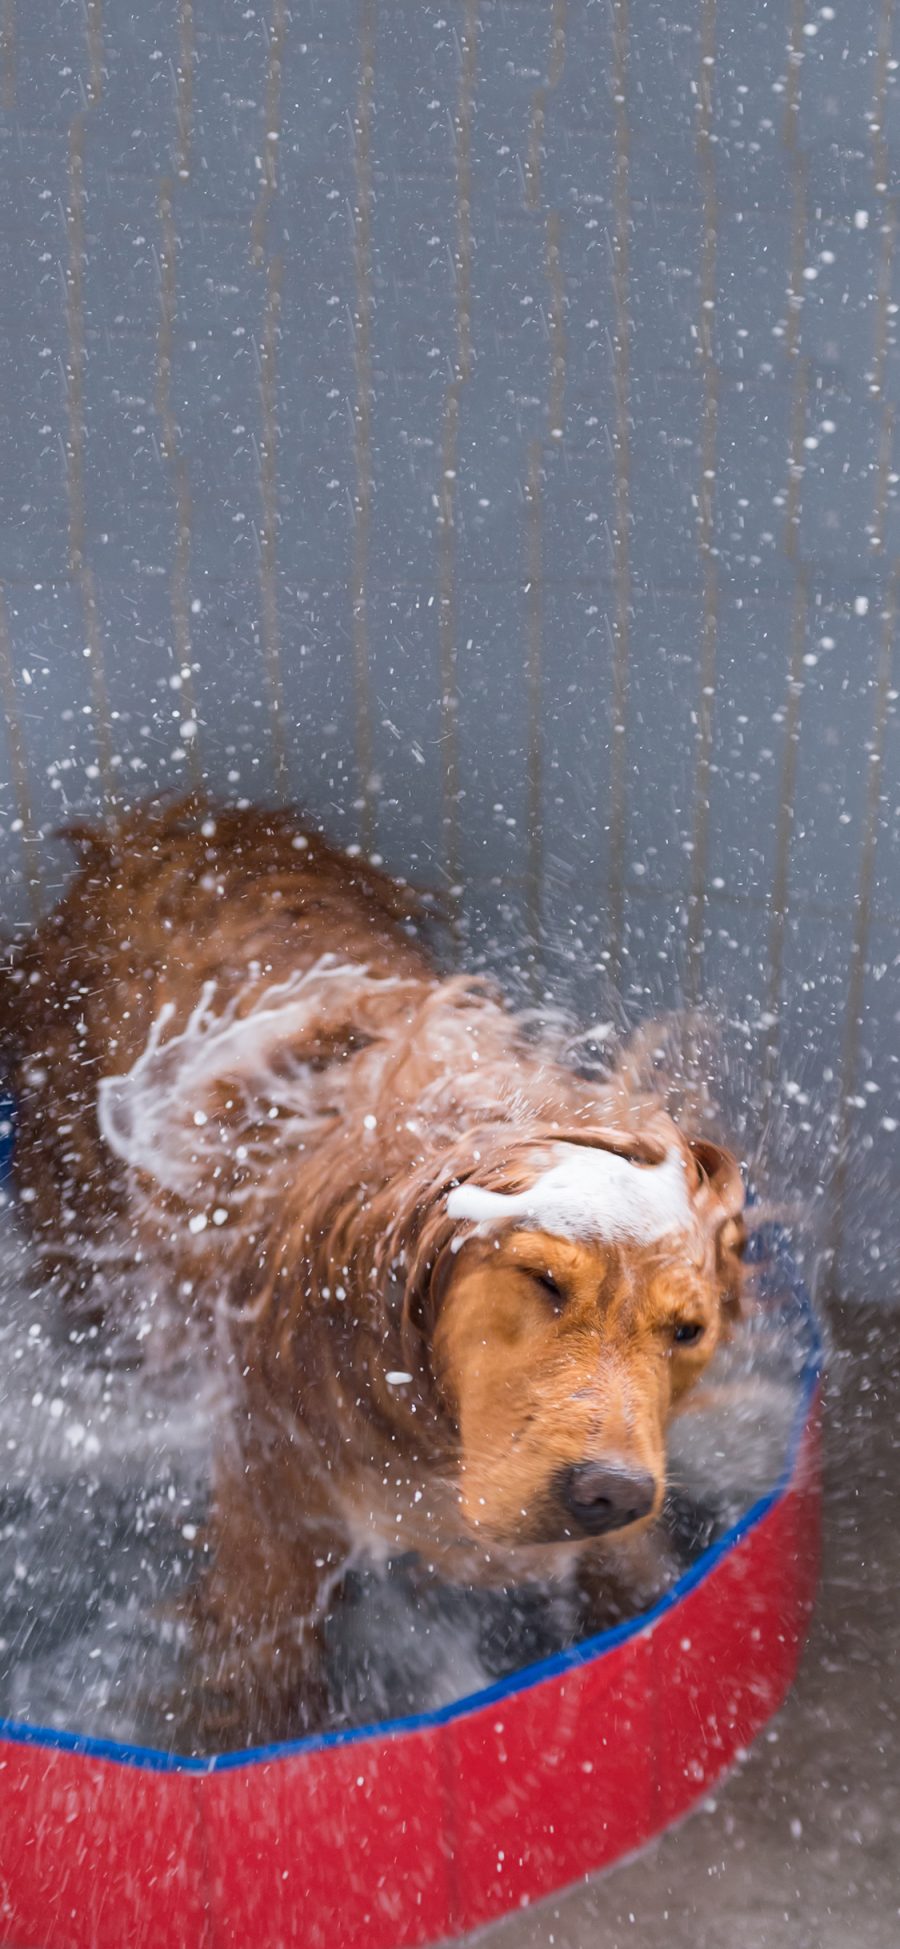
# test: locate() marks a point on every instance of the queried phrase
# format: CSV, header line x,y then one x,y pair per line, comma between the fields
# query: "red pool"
x,y
424,1828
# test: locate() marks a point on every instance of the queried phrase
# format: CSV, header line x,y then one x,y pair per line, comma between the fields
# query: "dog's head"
x,y
568,1292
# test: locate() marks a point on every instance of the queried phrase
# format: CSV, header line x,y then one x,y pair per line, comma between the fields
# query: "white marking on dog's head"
x,y
588,1193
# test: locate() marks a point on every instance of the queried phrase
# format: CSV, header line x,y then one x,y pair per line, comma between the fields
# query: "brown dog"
x,y
456,1288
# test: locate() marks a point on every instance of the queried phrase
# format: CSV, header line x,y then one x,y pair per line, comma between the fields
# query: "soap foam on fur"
x,y
588,1193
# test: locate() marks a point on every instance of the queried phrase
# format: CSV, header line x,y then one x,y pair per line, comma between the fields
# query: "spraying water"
x,y
108,1483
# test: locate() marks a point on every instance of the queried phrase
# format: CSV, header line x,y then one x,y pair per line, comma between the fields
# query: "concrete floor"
x,y
800,1849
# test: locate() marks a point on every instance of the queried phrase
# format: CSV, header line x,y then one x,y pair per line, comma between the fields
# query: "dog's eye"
x,y
549,1286
687,1332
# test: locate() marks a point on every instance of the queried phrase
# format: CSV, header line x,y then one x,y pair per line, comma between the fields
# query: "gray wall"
x,y
489,405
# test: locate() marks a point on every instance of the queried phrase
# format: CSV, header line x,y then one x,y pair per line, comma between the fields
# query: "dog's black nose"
x,y
601,1498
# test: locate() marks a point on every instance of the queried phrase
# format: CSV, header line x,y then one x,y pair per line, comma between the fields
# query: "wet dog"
x,y
456,1289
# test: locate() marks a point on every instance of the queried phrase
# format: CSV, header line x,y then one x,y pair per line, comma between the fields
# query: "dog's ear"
x,y
410,1231
720,1198
423,1298
217,1076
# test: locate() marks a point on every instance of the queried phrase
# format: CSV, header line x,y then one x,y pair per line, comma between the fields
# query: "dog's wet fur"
x,y
245,1093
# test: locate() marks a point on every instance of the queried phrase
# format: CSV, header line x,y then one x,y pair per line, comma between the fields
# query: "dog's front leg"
x,y
257,1617
619,1580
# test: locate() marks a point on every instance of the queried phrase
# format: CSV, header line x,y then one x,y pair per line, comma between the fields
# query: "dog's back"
x,y
169,902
